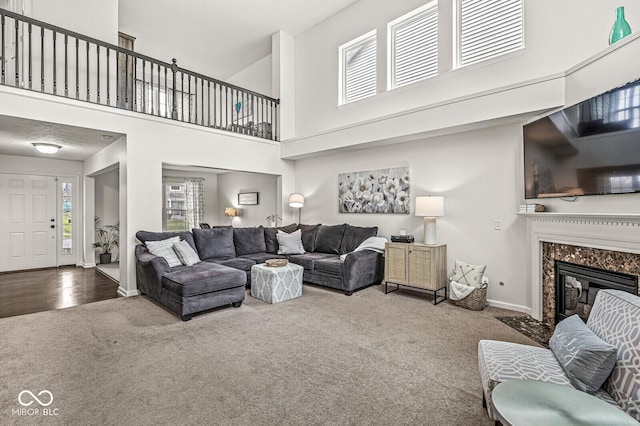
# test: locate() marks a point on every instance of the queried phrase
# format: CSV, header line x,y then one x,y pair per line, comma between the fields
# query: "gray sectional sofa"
x,y
227,255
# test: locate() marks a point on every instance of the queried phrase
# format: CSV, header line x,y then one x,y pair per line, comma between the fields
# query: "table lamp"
x,y
230,212
430,207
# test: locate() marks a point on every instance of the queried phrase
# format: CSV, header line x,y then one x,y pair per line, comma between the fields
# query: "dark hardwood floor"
x,y
27,292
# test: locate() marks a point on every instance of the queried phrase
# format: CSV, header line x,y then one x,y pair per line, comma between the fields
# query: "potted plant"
x,y
273,219
107,238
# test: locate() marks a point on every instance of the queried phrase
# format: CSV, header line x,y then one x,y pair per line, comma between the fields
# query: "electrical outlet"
x,y
497,224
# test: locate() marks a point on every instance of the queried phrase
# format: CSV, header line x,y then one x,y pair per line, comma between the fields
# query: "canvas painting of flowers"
x,y
374,191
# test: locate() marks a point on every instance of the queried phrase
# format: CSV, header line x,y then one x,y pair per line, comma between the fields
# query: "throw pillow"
x,y
185,253
354,236
329,238
587,359
271,242
164,248
467,274
249,240
214,243
290,243
309,234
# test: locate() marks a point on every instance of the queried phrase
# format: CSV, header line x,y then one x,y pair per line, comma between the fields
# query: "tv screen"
x,y
590,148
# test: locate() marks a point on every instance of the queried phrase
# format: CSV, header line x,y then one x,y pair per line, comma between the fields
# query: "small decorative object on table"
x,y
402,238
276,262
620,28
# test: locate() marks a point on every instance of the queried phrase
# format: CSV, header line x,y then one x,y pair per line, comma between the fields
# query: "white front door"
x,y
28,226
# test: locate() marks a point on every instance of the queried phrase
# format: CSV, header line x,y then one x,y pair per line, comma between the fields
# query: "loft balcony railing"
x,y
45,58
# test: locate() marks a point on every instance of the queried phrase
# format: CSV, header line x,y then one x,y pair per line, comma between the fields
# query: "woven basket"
x,y
570,297
276,262
475,300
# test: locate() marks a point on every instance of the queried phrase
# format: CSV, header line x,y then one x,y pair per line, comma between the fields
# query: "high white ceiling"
x,y
218,38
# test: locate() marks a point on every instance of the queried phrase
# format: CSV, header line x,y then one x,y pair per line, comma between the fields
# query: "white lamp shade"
x,y
296,200
430,206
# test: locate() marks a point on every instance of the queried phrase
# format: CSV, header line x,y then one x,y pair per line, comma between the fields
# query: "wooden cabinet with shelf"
x,y
417,265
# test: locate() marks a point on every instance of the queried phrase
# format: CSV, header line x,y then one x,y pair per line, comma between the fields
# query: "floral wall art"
x,y
374,191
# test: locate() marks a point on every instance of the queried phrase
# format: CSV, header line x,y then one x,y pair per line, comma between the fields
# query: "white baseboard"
x,y
127,293
510,306
88,265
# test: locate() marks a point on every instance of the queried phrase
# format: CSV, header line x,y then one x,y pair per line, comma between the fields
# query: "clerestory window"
x,y
358,76
413,46
488,28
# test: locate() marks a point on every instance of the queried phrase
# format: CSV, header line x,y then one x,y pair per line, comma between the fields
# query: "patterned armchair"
x,y
615,318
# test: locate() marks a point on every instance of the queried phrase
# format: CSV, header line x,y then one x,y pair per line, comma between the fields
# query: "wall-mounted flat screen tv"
x,y
591,148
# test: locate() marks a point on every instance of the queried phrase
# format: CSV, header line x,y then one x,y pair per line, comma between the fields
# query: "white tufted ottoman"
x,y
276,284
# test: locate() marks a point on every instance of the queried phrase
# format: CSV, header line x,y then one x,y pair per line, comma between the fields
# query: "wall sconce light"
x,y
296,201
430,208
46,148
230,212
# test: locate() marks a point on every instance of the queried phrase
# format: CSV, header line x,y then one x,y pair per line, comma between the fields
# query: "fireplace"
x,y
577,285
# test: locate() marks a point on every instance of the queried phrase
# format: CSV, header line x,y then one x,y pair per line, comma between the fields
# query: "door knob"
x,y
53,226
53,220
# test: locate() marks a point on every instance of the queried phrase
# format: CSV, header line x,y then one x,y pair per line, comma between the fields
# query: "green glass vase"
x,y
620,28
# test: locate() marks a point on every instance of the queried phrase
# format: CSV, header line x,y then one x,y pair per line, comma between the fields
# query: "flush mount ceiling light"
x,y
46,148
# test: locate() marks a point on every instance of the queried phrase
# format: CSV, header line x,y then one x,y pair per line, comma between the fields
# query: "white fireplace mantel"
x,y
607,231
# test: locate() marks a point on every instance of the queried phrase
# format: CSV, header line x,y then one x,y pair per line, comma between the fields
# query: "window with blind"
x,y
358,68
488,28
414,46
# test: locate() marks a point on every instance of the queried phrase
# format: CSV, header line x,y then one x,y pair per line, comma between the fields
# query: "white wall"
x,y
558,35
107,202
107,192
232,183
256,77
475,172
94,18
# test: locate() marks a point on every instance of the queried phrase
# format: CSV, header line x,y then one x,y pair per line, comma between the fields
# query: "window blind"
x,y
489,28
415,48
360,69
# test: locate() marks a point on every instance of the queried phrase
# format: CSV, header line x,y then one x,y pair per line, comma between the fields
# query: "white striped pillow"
x,y
164,248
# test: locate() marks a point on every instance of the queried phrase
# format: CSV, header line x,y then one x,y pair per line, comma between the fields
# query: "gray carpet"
x,y
323,358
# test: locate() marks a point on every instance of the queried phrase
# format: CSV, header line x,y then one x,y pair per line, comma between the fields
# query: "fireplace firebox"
x,y
577,286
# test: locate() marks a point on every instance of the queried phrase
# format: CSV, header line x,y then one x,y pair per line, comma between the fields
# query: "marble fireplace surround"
x,y
601,240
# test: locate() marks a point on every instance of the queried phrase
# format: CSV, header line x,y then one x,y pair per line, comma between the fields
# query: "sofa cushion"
x,y
186,253
262,257
354,236
249,240
270,239
145,236
329,238
329,266
502,361
215,242
164,249
307,260
586,358
309,235
290,243
240,263
202,278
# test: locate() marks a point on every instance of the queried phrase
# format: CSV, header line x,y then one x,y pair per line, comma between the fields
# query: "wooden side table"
x,y
531,402
421,266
